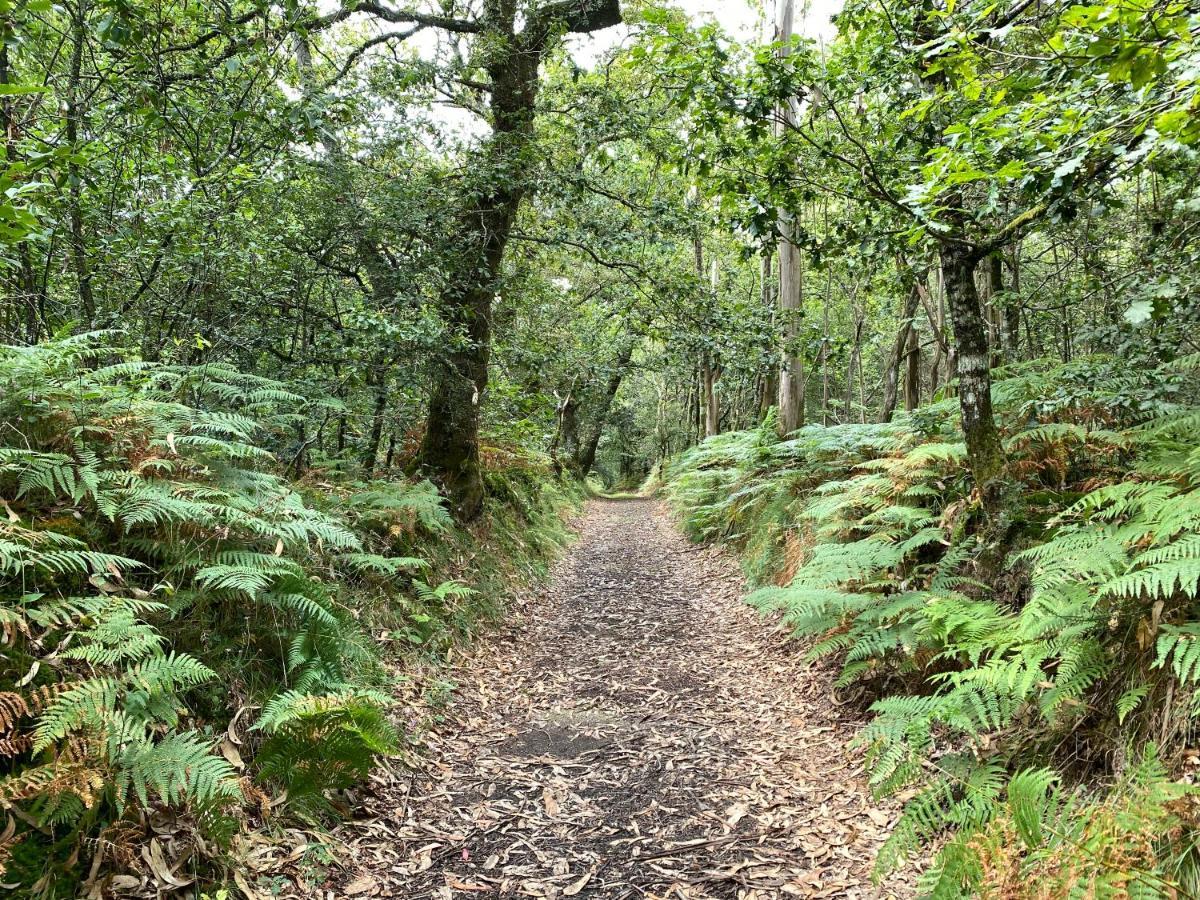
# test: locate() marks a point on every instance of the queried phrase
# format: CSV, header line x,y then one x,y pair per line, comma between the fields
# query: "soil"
x,y
633,731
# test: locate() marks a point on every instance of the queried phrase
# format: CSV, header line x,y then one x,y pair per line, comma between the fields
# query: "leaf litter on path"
x,y
633,732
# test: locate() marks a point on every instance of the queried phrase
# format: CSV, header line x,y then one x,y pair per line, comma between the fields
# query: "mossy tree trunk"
x,y
450,449
585,459
985,451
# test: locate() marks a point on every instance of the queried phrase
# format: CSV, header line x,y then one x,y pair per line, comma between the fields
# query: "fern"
x,y
137,491
317,744
1094,614
401,507
1179,649
179,767
388,566
439,594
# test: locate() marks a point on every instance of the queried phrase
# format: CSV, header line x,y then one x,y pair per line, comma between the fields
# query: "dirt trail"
x,y
635,732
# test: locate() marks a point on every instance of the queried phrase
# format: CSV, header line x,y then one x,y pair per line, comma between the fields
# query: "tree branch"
x,y
360,51
576,16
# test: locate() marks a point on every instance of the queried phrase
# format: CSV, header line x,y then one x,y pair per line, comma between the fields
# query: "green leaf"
x,y
17,89
1139,311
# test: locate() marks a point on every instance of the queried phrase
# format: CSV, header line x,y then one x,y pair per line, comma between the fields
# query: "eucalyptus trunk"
x,y
791,369
769,387
74,111
712,406
791,275
709,371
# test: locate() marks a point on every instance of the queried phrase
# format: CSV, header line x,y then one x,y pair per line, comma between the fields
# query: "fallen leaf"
x,y
550,802
879,817
153,855
360,885
229,750
577,886
453,883
29,676
244,886
735,814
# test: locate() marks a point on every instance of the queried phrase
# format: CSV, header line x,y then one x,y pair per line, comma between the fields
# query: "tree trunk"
x,y
28,296
825,355
995,295
912,370
862,392
937,325
712,407
1012,309
712,373
587,451
371,453
566,433
891,374
450,448
770,377
299,463
985,452
791,276
691,407
791,371
709,371
74,107
855,356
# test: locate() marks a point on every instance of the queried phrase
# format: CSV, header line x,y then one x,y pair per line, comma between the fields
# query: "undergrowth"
x,y
1038,717
184,629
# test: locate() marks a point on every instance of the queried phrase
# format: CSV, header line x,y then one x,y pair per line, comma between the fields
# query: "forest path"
x,y
634,732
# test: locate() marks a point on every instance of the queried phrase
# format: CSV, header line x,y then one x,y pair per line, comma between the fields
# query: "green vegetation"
x,y
315,315
1000,683
160,579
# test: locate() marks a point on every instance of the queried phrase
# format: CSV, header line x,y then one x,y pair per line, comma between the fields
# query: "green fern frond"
x,y
388,566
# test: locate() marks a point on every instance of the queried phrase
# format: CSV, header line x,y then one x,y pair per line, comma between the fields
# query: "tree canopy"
x,y
252,249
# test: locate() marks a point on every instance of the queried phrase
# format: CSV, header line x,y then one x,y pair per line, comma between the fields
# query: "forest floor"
x,y
633,731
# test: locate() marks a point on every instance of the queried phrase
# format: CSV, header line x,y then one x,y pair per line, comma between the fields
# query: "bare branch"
x,y
576,16
361,50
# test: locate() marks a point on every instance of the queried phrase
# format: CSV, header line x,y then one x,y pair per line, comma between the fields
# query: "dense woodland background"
x,y
316,316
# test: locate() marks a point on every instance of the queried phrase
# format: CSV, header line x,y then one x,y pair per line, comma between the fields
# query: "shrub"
x,y
146,546
1087,630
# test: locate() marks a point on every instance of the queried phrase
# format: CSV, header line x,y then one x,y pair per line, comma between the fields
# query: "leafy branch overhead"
x,y
316,317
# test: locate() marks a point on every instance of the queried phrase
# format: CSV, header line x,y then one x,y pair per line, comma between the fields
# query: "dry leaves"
x,y
635,733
